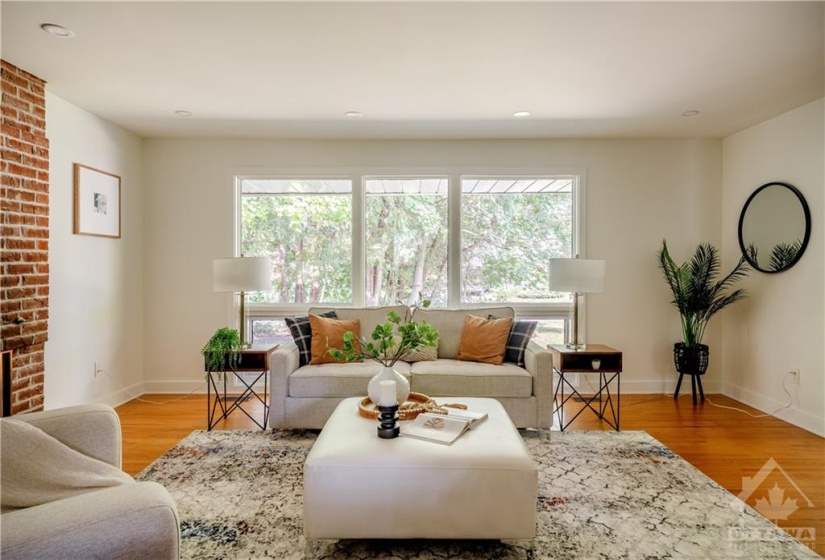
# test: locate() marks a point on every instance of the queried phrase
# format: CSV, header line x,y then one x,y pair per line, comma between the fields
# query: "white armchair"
x,y
127,521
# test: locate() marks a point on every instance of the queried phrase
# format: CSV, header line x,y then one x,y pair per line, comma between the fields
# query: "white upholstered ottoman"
x,y
357,485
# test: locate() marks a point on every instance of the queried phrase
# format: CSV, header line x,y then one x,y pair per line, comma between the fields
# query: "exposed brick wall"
x,y
24,233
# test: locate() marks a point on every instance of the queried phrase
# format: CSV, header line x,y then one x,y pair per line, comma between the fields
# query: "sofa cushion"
x,y
484,340
470,379
329,333
369,316
337,380
448,323
423,354
301,332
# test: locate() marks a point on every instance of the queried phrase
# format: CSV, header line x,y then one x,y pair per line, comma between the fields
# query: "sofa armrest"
x,y
92,429
282,362
127,522
539,363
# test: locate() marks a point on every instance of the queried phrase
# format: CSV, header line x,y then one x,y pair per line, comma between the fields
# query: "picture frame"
x,y
96,202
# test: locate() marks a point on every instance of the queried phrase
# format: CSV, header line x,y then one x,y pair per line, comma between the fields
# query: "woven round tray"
x,y
415,404
412,407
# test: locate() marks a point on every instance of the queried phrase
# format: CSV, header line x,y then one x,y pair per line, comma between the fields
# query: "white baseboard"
x,y
123,395
650,387
793,415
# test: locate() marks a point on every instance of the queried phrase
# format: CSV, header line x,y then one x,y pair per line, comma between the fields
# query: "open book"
x,y
437,428
475,418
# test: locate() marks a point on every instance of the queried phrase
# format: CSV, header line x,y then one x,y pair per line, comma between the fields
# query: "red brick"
x,y
36,257
35,233
15,169
9,205
9,231
11,256
21,293
35,303
8,87
36,280
9,306
10,281
25,244
15,102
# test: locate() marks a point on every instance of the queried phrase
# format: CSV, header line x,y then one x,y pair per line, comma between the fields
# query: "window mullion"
x,y
454,242
359,260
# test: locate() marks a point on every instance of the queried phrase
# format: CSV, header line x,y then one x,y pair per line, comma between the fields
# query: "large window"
x,y
405,240
510,228
305,227
376,239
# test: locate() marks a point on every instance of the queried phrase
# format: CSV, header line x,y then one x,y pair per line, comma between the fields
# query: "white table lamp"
x,y
579,276
241,275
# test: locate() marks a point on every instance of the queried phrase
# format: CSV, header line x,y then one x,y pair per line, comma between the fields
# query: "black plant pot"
x,y
691,360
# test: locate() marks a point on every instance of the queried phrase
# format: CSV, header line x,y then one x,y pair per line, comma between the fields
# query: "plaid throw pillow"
x,y
520,334
301,332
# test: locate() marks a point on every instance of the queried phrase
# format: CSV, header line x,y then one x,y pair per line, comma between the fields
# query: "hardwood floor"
x,y
724,444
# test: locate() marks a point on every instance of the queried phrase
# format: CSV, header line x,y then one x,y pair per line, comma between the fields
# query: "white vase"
x,y
402,386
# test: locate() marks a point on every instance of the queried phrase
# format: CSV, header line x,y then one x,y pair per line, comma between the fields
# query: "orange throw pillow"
x,y
329,333
484,340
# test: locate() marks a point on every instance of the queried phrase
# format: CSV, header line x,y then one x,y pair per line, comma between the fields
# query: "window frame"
x,y
454,176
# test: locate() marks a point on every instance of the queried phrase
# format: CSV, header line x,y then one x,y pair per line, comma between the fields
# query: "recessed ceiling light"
x,y
352,114
691,113
57,30
183,113
521,114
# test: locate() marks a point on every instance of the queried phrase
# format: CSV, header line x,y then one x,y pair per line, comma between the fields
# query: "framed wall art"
x,y
96,202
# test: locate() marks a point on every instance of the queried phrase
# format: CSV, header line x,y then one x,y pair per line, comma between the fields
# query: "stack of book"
x,y
443,428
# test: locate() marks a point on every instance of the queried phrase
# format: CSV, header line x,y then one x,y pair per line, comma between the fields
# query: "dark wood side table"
x,y
254,359
592,358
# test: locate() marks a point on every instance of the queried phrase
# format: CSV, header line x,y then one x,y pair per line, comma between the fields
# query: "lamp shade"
x,y
242,274
584,276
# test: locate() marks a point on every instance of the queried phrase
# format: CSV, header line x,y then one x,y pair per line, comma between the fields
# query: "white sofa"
x,y
305,397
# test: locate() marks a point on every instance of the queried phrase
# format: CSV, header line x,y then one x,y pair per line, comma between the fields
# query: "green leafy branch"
x,y
389,341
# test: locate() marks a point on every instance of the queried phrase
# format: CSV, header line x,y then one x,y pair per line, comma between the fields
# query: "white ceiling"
x,y
427,69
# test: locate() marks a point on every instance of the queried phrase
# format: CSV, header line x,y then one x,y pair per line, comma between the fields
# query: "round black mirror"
x,y
774,227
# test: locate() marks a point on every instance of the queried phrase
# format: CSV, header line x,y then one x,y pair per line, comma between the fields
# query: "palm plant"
x,y
696,293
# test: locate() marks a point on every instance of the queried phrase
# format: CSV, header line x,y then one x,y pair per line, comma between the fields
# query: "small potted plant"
x,y
388,343
698,296
222,350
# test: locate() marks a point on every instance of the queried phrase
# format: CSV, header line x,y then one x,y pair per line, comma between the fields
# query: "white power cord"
x,y
784,387
134,397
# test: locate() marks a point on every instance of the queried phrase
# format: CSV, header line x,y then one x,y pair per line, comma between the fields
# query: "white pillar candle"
x,y
386,393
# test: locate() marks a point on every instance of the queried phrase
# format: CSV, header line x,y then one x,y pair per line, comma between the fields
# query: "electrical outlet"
x,y
98,369
794,373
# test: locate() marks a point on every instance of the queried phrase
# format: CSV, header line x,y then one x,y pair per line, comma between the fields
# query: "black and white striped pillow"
x,y
301,332
520,333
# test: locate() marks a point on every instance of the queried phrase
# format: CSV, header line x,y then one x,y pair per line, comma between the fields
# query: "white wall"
x,y
96,293
780,326
638,192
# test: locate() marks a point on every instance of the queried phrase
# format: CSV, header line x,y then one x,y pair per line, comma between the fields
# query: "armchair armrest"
x,y
282,362
92,429
539,363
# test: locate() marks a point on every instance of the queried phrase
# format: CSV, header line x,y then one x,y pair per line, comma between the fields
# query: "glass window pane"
x,y
510,228
406,240
550,331
270,331
305,227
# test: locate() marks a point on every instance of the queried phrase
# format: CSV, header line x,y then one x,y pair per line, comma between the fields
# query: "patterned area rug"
x,y
601,495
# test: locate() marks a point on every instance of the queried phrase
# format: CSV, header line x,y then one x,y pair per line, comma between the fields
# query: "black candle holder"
x,y
388,422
